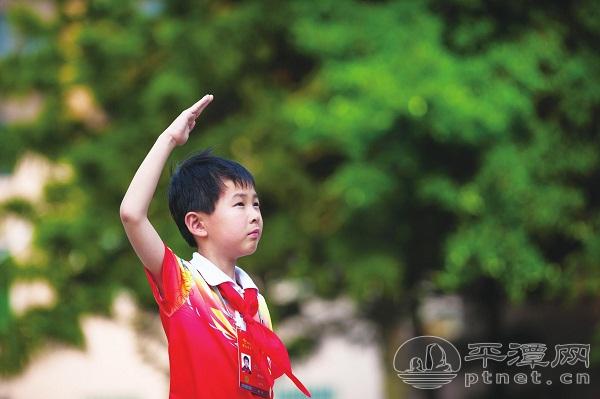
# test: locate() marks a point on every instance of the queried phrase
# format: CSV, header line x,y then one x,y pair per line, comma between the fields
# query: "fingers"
x,y
199,106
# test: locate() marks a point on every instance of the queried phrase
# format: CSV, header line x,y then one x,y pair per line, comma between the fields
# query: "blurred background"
x,y
424,168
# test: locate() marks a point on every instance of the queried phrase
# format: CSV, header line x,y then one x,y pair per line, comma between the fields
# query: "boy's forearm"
x,y
136,202
137,199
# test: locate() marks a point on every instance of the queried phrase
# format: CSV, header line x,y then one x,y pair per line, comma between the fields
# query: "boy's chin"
x,y
250,251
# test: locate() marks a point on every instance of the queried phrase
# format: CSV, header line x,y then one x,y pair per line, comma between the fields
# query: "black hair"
x,y
197,184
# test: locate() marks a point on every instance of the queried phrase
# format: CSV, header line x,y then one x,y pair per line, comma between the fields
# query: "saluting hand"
x,y
181,127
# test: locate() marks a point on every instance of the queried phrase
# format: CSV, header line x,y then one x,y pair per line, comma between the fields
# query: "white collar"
x,y
215,276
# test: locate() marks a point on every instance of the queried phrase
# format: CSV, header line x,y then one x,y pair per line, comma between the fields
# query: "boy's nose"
x,y
255,216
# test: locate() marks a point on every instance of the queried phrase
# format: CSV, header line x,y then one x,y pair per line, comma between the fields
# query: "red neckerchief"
x,y
266,340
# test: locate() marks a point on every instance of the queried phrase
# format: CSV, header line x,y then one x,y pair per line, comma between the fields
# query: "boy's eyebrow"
x,y
243,195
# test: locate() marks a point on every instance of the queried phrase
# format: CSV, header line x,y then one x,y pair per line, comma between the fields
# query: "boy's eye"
x,y
242,204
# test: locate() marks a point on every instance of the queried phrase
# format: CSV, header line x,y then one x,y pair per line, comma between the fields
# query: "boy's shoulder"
x,y
192,276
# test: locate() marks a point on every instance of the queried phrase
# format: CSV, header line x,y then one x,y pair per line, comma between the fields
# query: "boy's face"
x,y
235,227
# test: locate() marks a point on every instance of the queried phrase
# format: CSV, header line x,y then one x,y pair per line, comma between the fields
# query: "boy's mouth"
x,y
254,233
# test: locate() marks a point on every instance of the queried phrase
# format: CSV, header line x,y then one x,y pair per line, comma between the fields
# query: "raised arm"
x,y
143,237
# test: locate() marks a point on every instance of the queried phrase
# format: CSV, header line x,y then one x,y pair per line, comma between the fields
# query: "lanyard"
x,y
224,302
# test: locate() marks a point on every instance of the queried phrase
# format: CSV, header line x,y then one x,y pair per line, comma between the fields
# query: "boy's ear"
x,y
196,223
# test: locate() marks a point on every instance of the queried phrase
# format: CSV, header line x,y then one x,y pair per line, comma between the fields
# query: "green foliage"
x,y
392,142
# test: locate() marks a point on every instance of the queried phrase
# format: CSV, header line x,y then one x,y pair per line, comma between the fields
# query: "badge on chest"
x,y
252,367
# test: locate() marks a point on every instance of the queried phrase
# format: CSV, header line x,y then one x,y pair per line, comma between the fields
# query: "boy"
x,y
210,309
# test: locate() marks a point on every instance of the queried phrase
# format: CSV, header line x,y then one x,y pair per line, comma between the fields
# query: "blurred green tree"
x,y
393,143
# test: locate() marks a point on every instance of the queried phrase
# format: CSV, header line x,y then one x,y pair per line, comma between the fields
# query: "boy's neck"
x,y
226,265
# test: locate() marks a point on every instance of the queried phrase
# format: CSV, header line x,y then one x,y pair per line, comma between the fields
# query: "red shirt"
x,y
200,328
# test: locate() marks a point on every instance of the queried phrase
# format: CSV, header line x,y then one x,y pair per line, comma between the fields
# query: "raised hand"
x,y
181,127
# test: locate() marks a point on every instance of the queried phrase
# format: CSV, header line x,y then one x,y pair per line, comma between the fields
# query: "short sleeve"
x,y
176,283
